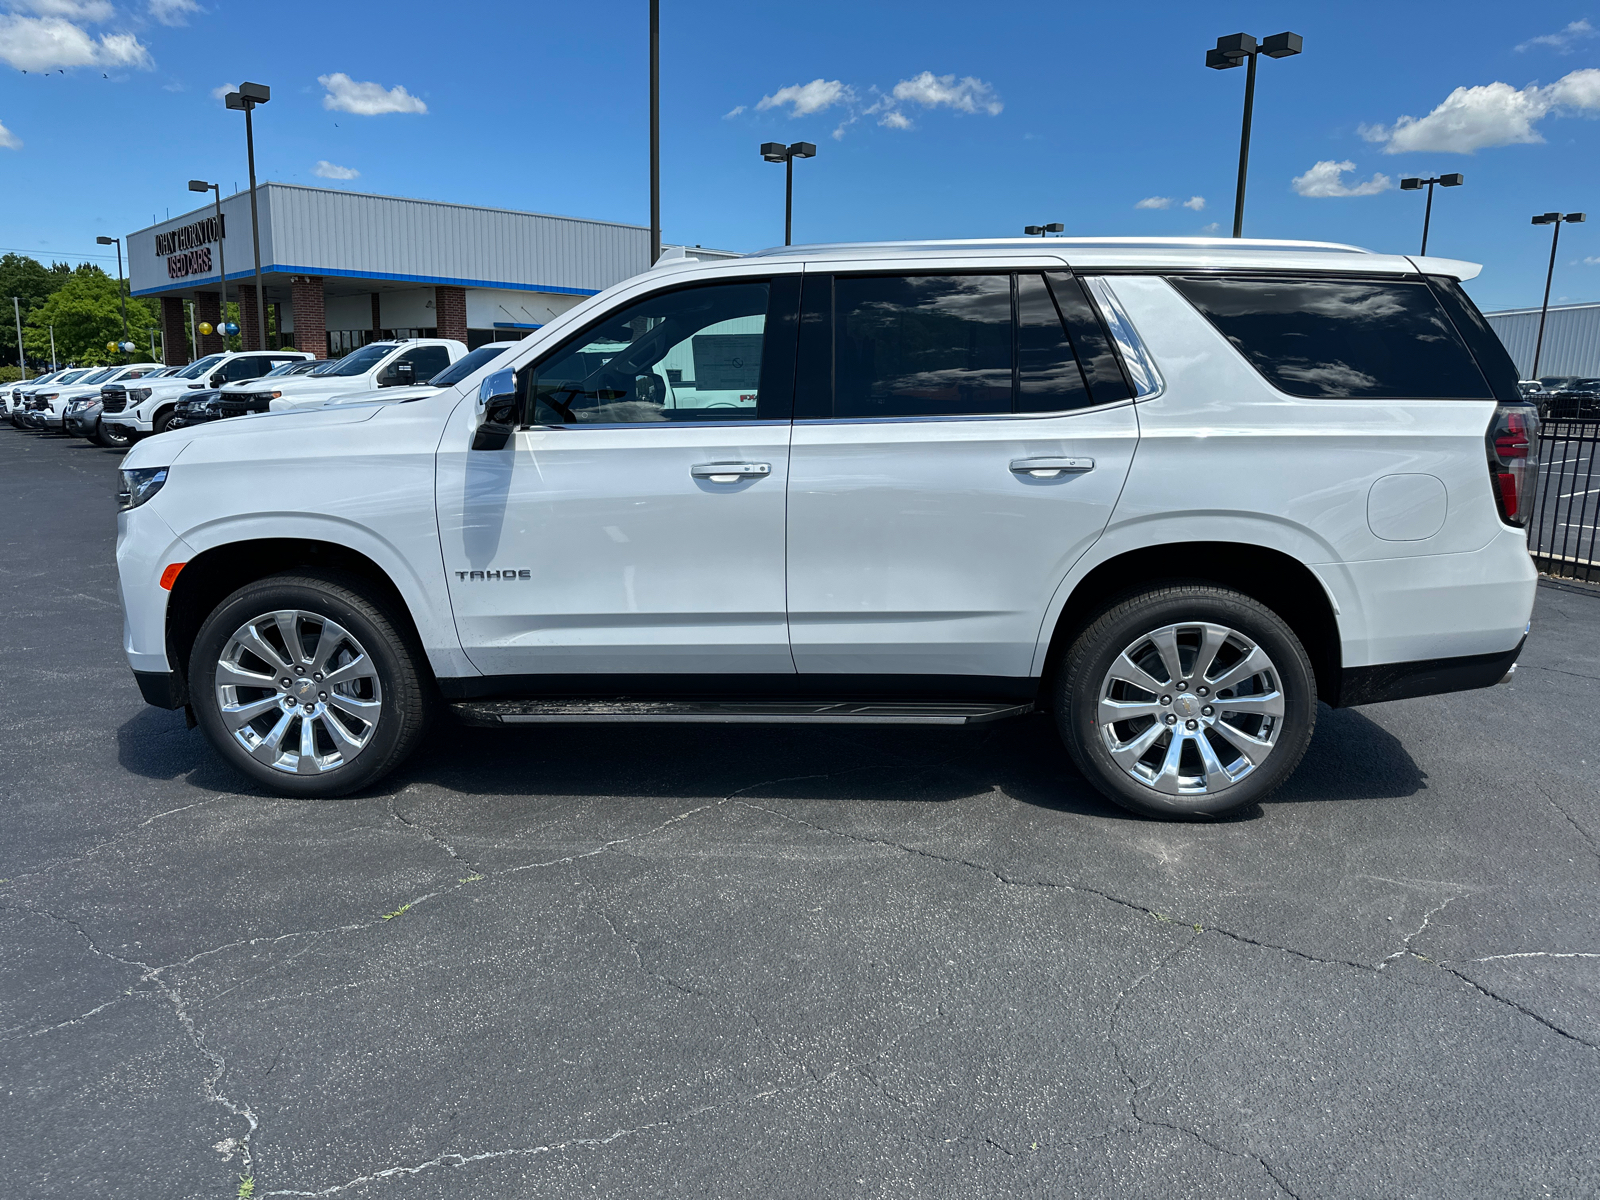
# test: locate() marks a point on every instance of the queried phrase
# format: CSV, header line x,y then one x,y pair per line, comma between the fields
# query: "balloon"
x,y
230,328
127,347
206,328
111,345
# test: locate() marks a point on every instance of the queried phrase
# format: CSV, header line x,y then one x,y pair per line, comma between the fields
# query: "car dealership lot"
x,y
688,960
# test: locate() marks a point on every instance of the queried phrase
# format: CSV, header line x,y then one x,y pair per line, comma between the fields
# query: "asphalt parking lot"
x,y
693,961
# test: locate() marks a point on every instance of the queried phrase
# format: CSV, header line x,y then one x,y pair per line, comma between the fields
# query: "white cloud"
x,y
971,95
174,12
1211,230
807,98
1155,202
328,170
1492,114
1195,202
367,99
9,140
1327,179
72,10
1562,41
895,119
733,112
46,43
222,89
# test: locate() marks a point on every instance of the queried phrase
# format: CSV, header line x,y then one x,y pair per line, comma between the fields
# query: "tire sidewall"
x,y
1094,651
391,658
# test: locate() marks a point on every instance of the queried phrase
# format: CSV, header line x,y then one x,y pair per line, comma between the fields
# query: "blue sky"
x,y
932,119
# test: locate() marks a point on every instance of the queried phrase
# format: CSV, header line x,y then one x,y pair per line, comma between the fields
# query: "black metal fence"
x,y
1566,506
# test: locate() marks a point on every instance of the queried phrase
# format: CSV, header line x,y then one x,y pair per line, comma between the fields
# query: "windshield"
x,y
462,367
100,376
196,369
288,368
70,376
325,367
362,360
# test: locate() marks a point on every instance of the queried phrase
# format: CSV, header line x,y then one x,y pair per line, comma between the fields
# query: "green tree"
x,y
31,282
86,316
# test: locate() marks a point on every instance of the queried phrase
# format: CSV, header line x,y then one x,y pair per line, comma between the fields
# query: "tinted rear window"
x,y
1341,339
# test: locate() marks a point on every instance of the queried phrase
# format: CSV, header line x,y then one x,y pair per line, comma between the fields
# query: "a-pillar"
x,y
174,332
247,319
310,319
208,307
450,313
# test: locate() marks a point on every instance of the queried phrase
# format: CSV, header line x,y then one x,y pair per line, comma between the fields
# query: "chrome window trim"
x,y
1141,368
1024,416
650,425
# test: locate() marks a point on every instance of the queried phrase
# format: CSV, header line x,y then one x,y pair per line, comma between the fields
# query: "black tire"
x,y
396,660
161,421
1083,677
112,438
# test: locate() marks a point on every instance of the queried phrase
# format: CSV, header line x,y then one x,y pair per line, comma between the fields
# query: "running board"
x,y
735,712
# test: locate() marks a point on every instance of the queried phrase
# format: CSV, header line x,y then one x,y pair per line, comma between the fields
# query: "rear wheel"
x,y
307,685
1186,701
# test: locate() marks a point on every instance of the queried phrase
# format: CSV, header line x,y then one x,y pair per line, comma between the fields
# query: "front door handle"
x,y
1049,468
730,472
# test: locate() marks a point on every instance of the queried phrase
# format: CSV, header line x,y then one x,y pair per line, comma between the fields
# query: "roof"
x,y
1152,253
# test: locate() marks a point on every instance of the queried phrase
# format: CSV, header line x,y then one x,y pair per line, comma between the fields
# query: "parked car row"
x,y
117,406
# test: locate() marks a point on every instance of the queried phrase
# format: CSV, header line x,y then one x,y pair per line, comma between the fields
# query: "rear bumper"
x,y
164,689
1428,677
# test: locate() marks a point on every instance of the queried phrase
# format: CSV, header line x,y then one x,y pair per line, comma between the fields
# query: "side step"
x,y
733,712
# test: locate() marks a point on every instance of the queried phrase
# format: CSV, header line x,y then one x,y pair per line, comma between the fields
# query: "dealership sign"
x,y
187,249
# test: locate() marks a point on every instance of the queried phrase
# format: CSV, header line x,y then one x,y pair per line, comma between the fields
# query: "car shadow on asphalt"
x,y
1351,758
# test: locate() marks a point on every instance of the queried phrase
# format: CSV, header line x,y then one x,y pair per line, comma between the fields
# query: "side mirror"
x,y
497,406
218,378
405,373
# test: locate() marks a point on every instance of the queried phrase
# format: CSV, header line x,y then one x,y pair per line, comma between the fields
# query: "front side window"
x,y
1341,339
196,369
694,354
426,361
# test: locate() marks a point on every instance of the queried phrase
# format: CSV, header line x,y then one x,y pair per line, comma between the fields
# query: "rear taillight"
x,y
1514,460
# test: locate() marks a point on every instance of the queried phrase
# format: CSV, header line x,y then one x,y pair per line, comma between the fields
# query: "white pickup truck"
x,y
449,377
397,363
150,406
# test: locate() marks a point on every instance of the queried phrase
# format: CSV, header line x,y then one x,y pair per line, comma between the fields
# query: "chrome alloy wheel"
x,y
1191,709
298,692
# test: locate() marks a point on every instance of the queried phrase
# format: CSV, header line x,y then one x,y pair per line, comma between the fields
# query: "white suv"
x,y
1173,491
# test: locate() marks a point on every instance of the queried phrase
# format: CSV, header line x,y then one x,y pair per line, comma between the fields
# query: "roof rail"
x,y
1090,243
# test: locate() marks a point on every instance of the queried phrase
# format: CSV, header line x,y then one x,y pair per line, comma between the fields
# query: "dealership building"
x,y
1571,339
341,269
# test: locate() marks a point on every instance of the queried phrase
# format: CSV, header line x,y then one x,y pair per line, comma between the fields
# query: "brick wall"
x,y
208,307
247,318
310,319
450,309
174,332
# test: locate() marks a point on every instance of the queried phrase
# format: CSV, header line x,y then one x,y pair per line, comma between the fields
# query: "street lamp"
x,y
1041,230
200,185
1555,219
121,295
1230,52
1412,185
246,98
655,131
778,152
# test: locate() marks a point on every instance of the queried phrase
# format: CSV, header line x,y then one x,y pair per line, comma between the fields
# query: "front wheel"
x,y
112,437
307,685
162,421
1187,700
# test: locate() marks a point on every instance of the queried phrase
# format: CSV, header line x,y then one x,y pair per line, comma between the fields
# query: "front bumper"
x,y
130,421
82,423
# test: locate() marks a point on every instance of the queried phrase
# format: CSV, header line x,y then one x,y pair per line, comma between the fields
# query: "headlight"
x,y
139,485
138,395
47,396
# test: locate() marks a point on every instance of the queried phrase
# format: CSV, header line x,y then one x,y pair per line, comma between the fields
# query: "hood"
x,y
388,395
163,448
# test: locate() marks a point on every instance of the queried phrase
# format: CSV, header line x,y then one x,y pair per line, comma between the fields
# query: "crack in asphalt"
x,y
68,860
1523,1009
1427,918
1582,832
426,831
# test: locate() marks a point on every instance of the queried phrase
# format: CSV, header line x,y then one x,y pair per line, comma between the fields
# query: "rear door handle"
x,y
1049,468
730,472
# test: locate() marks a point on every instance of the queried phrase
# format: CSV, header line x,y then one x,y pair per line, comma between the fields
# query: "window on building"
x,y
693,354
1341,339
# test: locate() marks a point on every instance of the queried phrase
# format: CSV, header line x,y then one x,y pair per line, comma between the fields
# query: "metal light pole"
x,y
121,293
22,359
655,131
194,332
153,357
1230,52
200,185
1043,230
1412,185
1552,218
52,347
778,152
246,98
